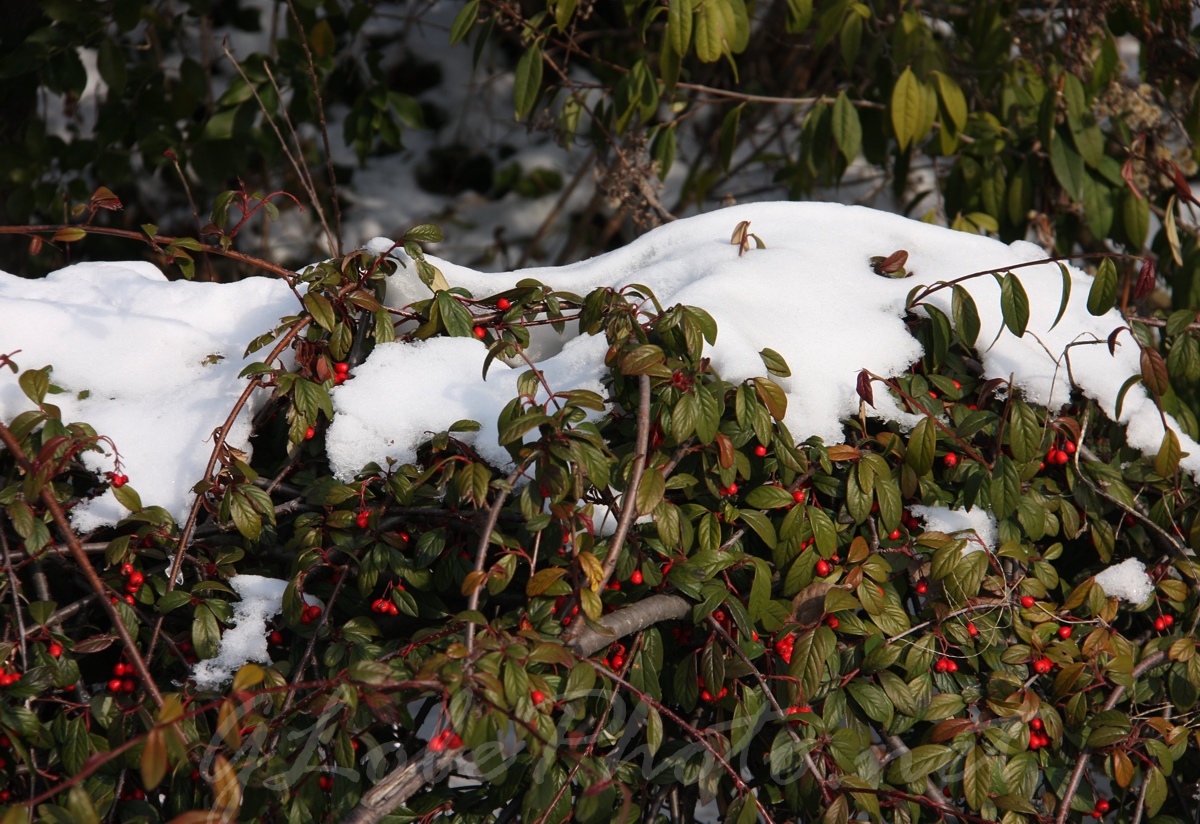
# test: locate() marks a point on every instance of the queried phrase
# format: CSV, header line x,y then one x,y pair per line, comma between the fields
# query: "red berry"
x,y
942,664
1064,632
503,304
922,587
798,496
1160,624
1097,814
1042,665
55,650
823,568
114,685
957,385
731,489
309,434
950,459
128,685
1036,724
636,577
831,622
126,569
276,637
136,579
760,451
1069,447
933,394
119,669
951,666
1168,619
705,695
1028,601
339,379
480,332
325,782
305,618
618,660
392,609
1102,806
894,535
341,368
972,630
119,481
537,696
362,519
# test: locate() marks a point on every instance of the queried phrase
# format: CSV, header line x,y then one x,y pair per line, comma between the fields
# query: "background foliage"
x,y
785,613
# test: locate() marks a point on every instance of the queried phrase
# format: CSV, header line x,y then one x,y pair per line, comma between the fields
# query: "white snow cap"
x,y
1128,581
246,641
140,345
979,522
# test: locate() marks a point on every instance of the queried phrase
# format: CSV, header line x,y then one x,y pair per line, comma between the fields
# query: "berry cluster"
x,y
7,679
311,613
385,606
117,479
124,678
1037,737
784,647
445,740
341,371
946,665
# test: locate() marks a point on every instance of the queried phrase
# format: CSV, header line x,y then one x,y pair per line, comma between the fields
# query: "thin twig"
x,y
485,538
629,501
329,170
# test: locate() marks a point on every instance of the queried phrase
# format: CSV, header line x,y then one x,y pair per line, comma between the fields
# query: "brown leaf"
x,y
1154,372
843,452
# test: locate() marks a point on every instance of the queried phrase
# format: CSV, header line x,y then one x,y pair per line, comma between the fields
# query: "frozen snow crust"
x,y
140,345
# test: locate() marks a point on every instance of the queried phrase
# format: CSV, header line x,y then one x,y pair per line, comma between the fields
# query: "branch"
x,y
633,618
1149,662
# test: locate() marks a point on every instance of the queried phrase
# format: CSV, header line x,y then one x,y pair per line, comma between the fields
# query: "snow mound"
x,y
246,641
153,364
1128,581
980,523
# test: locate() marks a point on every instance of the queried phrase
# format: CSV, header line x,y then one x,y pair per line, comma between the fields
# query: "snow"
x,y
139,350
980,523
140,345
1128,581
246,641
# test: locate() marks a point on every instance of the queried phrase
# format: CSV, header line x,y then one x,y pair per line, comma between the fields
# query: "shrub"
x,y
773,627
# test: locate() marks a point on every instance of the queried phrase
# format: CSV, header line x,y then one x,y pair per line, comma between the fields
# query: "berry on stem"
x,y
950,459
636,577
503,304
760,451
1028,601
823,568
480,332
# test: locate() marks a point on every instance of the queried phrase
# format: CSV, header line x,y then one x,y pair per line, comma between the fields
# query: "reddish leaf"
x,y
1112,339
1146,280
1154,372
103,198
865,391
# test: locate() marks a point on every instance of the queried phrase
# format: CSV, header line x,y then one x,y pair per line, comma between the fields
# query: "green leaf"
x,y
641,359
1066,293
321,310
1068,167
977,777
847,128
1167,460
922,446
760,524
873,701
727,141
464,21
34,383
1014,303
1024,433
528,81
1103,294
1125,387
954,102
918,763
206,632
966,315
772,396
650,491
425,232
769,497
907,108
455,317
775,363
679,26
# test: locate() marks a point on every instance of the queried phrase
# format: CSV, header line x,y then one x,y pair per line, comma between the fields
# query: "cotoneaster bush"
x,y
769,629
